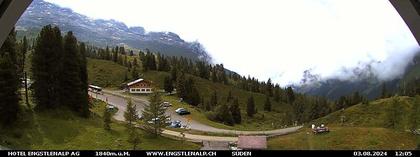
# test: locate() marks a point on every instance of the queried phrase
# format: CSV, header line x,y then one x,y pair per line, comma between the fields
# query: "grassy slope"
x,y
63,130
362,129
105,73
344,138
373,114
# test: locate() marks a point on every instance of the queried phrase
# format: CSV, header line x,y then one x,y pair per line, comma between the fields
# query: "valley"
x,y
71,82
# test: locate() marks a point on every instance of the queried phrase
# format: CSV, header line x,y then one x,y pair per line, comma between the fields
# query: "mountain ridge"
x,y
365,83
100,32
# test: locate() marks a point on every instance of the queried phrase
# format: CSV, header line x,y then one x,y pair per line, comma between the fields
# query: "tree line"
x,y
181,70
58,68
59,72
9,80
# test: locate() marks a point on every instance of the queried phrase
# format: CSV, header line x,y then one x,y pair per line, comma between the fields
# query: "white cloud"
x,y
274,38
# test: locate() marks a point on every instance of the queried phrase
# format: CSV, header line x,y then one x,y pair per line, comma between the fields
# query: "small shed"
x,y
252,142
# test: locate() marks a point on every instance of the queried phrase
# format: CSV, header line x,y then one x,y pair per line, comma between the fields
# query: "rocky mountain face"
x,y
105,32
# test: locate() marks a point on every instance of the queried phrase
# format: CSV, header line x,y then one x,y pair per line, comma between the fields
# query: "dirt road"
x,y
119,100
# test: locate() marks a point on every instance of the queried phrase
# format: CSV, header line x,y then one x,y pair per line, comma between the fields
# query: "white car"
x,y
110,107
168,120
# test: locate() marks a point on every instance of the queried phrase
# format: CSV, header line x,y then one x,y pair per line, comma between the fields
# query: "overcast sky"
x,y
276,39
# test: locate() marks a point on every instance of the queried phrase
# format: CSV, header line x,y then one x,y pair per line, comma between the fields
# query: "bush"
x,y
211,115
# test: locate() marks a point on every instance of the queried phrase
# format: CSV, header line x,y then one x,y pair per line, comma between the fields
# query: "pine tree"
x,y
393,114
107,119
135,63
290,95
134,73
174,72
267,104
46,64
115,55
122,50
154,115
125,61
107,54
194,96
250,108
229,97
126,76
84,79
269,88
277,93
23,49
134,138
236,111
224,115
9,82
168,85
73,88
213,99
415,114
180,86
130,116
384,92
418,146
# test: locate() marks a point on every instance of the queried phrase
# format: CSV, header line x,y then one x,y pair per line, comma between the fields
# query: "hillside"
x,y
346,138
363,128
63,130
374,114
105,73
111,75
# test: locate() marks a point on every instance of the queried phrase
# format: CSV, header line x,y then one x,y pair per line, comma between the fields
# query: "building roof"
x,y
215,145
252,142
93,86
134,82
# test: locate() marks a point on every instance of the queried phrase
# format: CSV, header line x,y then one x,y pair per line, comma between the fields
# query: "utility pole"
x,y
26,90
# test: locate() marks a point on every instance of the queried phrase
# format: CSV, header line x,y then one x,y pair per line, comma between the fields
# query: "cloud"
x,y
274,38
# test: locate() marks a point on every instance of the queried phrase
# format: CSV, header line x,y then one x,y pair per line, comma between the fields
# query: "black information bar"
x,y
209,153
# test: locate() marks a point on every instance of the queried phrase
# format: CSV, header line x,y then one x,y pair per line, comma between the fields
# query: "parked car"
x,y
110,107
320,129
166,104
168,120
154,120
175,124
182,111
140,117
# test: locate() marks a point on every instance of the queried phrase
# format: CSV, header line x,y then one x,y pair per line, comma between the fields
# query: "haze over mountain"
x,y
103,33
363,81
276,39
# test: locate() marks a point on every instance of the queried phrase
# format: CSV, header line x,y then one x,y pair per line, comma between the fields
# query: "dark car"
x,y
182,111
175,124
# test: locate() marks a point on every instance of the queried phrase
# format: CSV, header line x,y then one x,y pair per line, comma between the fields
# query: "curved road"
x,y
117,99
